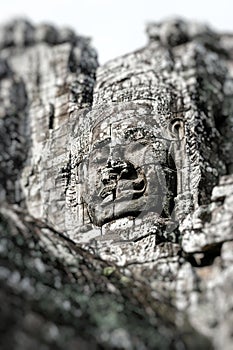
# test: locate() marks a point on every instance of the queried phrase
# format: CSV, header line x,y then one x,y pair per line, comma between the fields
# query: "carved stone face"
x,y
128,172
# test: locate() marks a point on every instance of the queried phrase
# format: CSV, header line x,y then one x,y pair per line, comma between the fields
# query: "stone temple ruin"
x,y
131,161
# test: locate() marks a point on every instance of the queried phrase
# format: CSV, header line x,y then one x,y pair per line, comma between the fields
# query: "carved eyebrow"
x,y
101,143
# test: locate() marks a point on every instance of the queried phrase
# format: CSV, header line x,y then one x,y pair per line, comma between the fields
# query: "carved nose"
x,y
116,164
110,173
121,168
117,169
120,179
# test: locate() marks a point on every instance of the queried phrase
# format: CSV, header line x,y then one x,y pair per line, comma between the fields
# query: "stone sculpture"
x,y
130,163
129,170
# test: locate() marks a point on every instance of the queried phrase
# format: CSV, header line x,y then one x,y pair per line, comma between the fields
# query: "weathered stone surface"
x,y
56,295
132,162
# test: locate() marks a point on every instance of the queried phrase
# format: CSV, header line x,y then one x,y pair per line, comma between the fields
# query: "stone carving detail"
x,y
131,161
128,173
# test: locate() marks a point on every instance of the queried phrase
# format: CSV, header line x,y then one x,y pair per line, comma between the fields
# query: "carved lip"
x,y
124,189
107,190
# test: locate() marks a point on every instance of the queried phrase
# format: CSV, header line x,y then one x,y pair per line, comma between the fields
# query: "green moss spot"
x,y
109,270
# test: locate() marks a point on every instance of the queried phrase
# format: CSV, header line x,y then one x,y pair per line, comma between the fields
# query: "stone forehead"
x,y
136,113
128,131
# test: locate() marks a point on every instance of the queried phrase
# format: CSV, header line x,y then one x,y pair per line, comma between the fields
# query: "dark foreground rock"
x,y
56,295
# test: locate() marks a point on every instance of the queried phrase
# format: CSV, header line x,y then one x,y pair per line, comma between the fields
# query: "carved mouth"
x,y
107,191
122,190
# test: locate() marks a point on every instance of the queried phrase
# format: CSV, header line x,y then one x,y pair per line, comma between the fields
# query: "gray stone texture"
x,y
116,190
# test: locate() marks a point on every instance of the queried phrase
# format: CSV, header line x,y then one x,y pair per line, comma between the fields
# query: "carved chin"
x,y
104,212
111,210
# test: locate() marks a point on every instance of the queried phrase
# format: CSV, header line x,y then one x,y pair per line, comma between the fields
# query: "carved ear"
x,y
177,128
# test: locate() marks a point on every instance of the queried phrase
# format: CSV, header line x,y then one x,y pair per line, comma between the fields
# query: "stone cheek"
x,y
128,174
